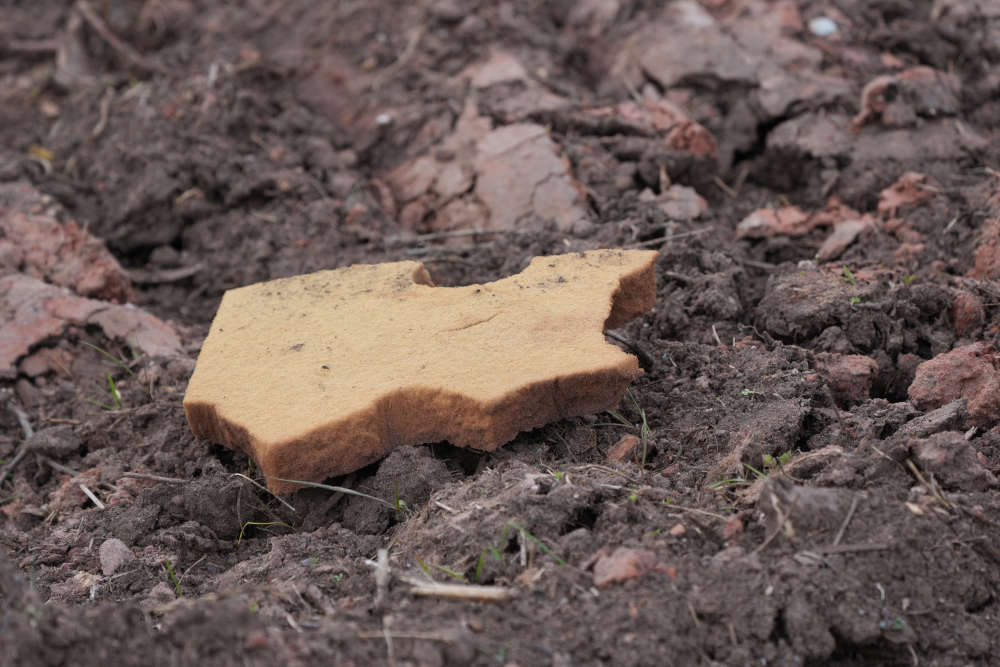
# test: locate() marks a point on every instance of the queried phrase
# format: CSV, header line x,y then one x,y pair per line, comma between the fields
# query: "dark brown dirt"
x,y
786,509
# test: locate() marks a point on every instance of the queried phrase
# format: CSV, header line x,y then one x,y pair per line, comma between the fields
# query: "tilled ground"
x,y
788,483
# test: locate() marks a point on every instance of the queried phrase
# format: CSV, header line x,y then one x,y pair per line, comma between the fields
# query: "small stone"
x,y
49,108
766,222
949,417
910,190
501,67
161,593
68,496
27,392
789,18
733,530
113,554
74,588
813,133
452,180
471,27
413,179
624,449
59,442
447,11
802,466
624,178
165,256
822,26
528,577
682,203
844,234
624,564
678,530
728,555
850,376
795,509
412,215
953,461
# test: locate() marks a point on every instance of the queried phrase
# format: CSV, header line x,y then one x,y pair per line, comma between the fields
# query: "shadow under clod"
x,y
371,500
377,497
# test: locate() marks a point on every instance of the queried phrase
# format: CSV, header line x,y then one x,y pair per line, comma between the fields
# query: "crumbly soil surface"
x,y
784,503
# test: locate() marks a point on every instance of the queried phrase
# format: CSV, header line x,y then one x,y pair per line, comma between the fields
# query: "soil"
x,y
784,503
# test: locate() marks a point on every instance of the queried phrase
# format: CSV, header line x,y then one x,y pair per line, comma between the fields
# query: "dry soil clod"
x,y
321,374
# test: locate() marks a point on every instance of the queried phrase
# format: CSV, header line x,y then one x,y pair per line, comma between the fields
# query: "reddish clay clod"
x,y
322,374
971,372
623,564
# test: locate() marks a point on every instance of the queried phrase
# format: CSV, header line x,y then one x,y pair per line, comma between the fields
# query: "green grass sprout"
x,y
494,551
732,481
538,543
110,357
426,567
491,550
116,397
644,430
173,577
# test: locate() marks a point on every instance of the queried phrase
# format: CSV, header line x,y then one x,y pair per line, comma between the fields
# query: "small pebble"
x,y
113,554
822,26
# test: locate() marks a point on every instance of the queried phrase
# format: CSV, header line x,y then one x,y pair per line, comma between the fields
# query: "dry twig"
x,y
155,478
847,520
265,489
427,636
669,237
404,57
784,524
382,575
851,548
725,188
59,467
404,239
463,592
929,485
157,276
22,419
387,635
90,494
95,21
105,109
9,467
